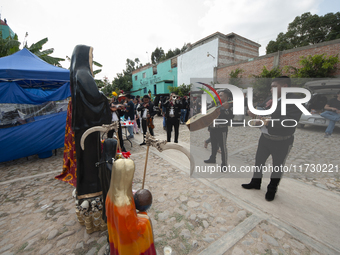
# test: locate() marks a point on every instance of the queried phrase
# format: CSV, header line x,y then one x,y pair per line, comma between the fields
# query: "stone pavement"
x,y
191,215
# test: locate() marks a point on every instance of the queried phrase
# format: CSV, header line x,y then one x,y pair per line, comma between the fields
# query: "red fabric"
x,y
69,173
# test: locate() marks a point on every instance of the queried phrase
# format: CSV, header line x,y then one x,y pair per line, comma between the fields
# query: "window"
x,y
135,77
154,70
155,89
173,62
144,90
144,75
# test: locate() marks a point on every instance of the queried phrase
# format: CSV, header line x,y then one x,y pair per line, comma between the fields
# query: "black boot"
x,y
271,189
210,160
255,183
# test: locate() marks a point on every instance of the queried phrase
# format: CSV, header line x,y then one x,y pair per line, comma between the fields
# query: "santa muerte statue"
x,y
103,179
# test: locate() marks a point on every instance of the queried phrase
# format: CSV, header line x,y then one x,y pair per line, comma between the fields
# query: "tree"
x,y
97,71
105,86
9,45
36,49
262,83
317,66
182,90
123,81
307,29
157,55
235,79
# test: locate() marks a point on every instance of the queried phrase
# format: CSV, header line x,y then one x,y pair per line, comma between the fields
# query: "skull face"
x,y
85,205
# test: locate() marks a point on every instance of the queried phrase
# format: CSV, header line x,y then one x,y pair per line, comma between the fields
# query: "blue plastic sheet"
x,y
43,135
12,93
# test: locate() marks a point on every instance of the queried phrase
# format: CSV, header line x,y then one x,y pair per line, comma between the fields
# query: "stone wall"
x,y
254,66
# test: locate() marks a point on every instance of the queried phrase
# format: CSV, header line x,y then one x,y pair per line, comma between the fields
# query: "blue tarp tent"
x,y
26,79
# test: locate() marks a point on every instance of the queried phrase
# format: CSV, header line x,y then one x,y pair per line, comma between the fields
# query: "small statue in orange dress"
x,y
129,232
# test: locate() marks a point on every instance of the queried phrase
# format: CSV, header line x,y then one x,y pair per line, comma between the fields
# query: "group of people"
x,y
141,112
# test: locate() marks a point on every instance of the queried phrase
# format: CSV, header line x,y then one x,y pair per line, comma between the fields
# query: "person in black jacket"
x,y
147,114
218,134
172,115
117,112
276,140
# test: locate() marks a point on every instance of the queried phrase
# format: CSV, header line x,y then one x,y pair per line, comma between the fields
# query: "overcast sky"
x,y
123,29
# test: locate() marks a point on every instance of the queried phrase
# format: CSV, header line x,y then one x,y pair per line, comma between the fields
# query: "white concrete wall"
x,y
196,64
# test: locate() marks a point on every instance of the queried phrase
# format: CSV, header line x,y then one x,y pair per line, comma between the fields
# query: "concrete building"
x,y
155,78
200,60
213,51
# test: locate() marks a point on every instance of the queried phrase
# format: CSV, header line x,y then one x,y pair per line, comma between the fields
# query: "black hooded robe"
x,y
89,108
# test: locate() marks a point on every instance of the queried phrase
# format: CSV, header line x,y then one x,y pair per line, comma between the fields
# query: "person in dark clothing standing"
x,y
130,114
163,111
147,114
117,112
276,140
218,134
172,114
184,110
138,112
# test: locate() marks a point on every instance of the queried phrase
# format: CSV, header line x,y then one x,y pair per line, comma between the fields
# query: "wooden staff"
x,y
146,163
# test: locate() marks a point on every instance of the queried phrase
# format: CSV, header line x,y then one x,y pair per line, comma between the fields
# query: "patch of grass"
x,y
161,244
186,245
190,227
22,247
88,247
248,214
178,217
9,200
175,232
156,214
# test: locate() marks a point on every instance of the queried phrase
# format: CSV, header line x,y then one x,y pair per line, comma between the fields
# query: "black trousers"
x,y
218,137
120,136
144,127
279,151
172,122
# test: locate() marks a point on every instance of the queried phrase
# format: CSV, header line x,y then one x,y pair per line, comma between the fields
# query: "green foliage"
x,y
158,54
36,49
262,83
182,90
235,79
317,66
307,29
123,81
9,45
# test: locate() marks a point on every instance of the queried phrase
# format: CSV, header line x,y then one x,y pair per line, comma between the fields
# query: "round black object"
x,y
143,200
